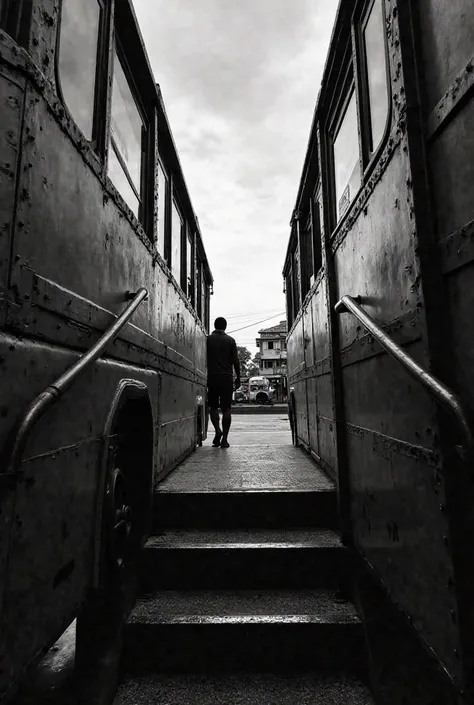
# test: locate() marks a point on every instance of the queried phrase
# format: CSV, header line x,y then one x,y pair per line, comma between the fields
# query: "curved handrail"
x,y
443,394
54,391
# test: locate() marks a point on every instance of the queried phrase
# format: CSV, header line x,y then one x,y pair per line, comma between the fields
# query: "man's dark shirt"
x,y
222,355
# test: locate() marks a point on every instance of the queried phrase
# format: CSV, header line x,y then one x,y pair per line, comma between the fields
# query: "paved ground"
x,y
260,457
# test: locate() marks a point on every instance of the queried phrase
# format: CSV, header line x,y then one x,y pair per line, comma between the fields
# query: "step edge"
x,y
245,619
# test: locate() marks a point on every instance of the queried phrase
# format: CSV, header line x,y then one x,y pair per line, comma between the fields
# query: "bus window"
x,y
289,296
346,158
77,61
176,234
203,297
296,282
376,71
125,151
163,187
316,208
199,288
189,266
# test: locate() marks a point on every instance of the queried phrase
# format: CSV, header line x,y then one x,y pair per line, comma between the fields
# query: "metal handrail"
x,y
54,391
446,397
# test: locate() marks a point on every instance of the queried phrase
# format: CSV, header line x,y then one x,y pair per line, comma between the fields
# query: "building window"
x,y
346,157
163,188
176,236
270,345
376,72
126,130
77,61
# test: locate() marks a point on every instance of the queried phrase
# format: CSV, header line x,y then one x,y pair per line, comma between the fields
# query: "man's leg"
x,y
226,404
226,422
213,401
214,416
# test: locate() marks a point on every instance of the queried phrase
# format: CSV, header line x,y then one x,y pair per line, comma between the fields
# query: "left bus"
x,y
95,221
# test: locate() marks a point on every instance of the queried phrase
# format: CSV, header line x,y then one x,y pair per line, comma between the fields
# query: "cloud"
x,y
240,81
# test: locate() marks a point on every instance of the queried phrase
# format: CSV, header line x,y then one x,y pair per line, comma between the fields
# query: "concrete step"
x,y
266,509
218,631
244,559
244,689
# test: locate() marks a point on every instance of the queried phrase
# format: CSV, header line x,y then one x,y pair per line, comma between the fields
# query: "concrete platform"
x,y
260,458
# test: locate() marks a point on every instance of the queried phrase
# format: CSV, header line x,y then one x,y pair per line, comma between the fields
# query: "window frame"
x,y
199,287
360,21
147,133
353,76
176,202
103,69
15,19
190,239
167,201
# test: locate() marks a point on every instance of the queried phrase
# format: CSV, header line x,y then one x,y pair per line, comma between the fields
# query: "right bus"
x,y
379,284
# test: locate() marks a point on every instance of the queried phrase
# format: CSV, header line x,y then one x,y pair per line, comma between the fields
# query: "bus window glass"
x,y
296,282
162,199
79,38
199,289
309,255
176,225
346,158
374,45
289,297
316,215
125,153
189,266
203,297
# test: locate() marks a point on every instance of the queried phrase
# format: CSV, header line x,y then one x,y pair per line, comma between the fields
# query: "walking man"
x,y
222,359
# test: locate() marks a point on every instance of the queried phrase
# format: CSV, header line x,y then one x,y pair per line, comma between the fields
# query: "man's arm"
x,y
236,364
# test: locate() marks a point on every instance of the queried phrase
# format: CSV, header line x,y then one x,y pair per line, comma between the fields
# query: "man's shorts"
x,y
219,392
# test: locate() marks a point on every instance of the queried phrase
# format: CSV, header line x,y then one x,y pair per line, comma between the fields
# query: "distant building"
x,y
272,357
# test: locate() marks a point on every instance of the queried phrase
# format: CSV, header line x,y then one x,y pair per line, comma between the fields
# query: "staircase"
x,y
241,589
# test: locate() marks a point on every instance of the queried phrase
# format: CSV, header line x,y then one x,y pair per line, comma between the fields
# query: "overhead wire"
x,y
257,323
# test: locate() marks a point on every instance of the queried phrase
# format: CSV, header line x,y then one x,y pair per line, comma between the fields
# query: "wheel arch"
x,y
130,420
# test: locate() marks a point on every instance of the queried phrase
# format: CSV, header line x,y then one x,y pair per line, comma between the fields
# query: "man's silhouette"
x,y
222,359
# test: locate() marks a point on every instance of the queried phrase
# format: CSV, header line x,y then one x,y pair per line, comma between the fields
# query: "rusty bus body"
x,y
93,206
385,212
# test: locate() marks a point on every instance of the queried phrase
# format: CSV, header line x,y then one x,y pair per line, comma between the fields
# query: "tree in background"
x,y
253,368
244,356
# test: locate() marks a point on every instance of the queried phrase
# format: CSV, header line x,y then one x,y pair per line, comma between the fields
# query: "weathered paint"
x,y
392,449
77,251
446,68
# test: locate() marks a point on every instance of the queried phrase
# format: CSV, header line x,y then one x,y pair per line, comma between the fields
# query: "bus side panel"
x,y
11,107
93,250
447,77
296,367
390,420
177,423
309,361
324,392
11,102
50,559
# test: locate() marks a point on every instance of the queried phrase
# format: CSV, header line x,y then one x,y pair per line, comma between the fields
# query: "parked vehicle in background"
x,y
260,390
239,396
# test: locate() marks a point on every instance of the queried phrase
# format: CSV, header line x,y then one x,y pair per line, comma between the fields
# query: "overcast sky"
x,y
239,80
